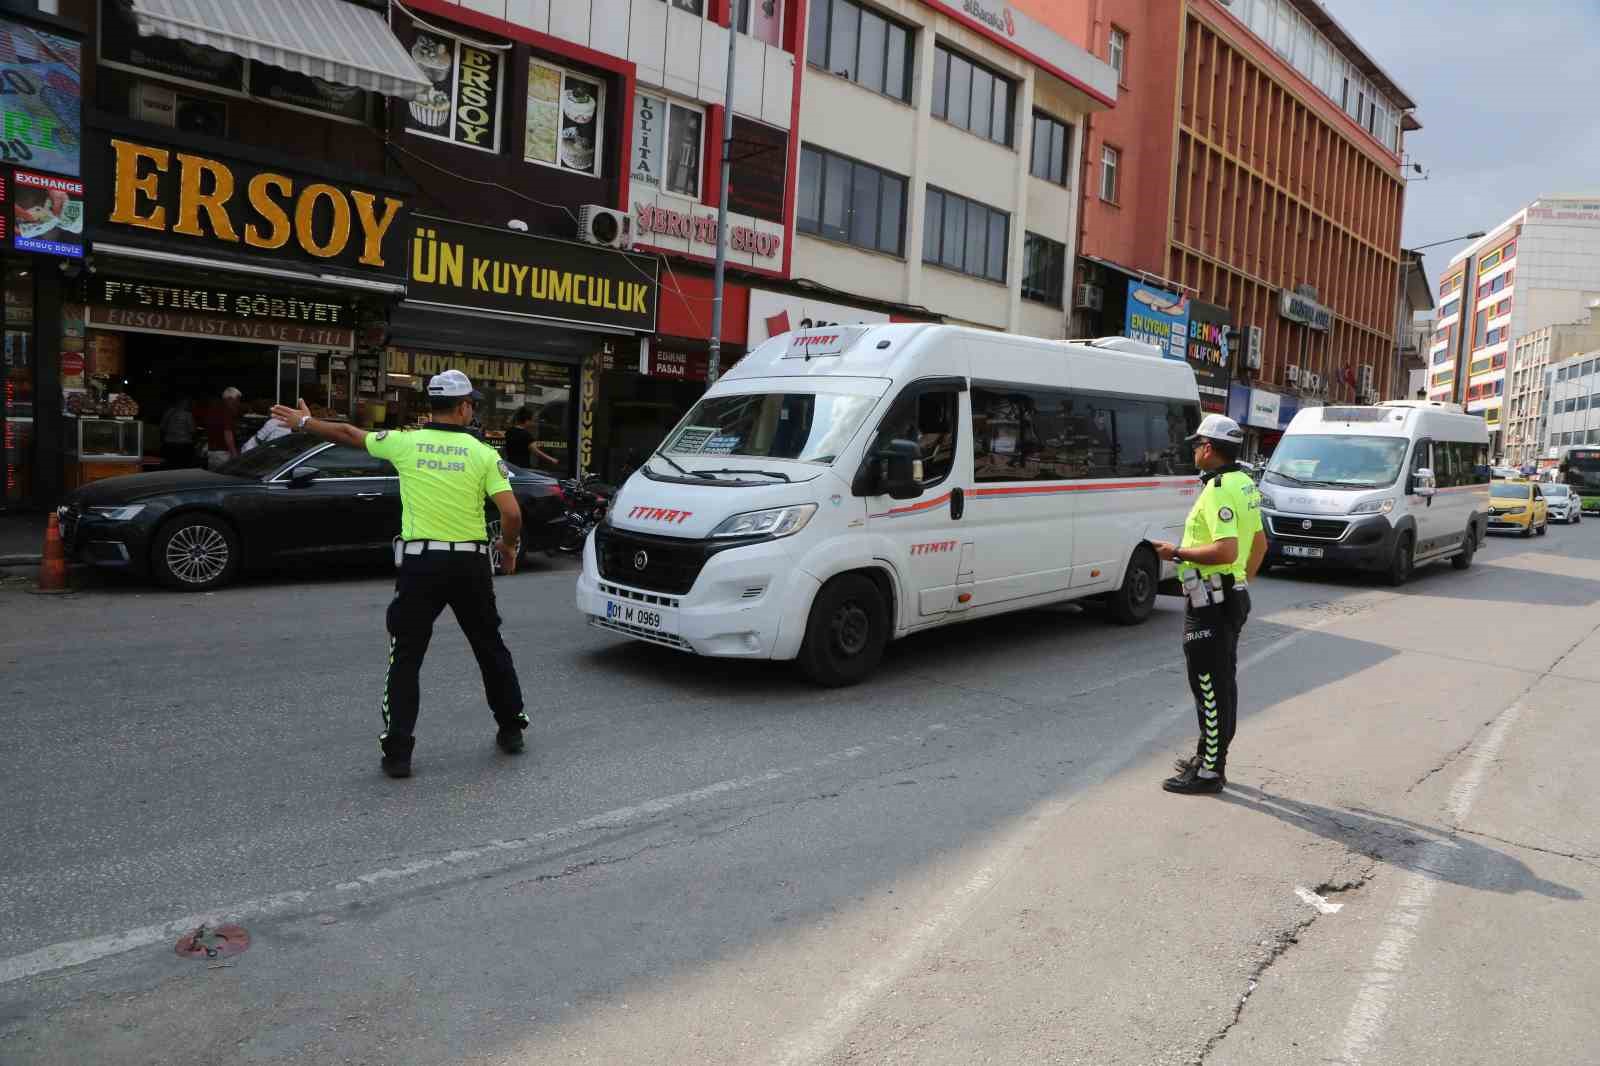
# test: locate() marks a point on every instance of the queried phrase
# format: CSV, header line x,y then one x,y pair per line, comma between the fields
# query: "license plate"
x,y
1297,551
639,615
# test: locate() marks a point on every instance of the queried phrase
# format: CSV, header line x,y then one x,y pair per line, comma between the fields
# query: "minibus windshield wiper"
x,y
1291,477
763,473
679,469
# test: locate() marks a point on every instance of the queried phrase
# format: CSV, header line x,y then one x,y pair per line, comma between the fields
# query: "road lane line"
x,y
1384,978
65,954
818,1040
1317,901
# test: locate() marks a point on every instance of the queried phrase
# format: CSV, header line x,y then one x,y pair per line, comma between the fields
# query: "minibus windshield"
x,y
1337,461
804,426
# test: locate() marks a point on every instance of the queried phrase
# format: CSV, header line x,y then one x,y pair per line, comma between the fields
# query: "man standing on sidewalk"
x,y
443,554
1222,550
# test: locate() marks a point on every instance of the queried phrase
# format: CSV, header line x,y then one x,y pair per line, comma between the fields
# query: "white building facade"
x,y
940,159
1527,413
1573,403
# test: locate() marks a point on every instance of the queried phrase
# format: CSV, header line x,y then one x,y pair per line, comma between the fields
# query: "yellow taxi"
x,y
1518,507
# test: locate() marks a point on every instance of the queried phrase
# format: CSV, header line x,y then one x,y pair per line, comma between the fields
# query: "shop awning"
x,y
328,39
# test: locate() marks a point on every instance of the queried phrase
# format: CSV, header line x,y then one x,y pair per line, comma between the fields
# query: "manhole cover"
x,y
208,942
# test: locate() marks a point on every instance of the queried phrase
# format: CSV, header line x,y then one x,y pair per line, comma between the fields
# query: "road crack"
x,y
1588,858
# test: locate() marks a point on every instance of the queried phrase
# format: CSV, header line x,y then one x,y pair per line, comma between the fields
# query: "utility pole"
x,y
714,364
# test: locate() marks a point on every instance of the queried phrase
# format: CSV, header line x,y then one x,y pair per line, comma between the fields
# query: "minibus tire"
x,y
1136,599
1469,547
846,633
1402,564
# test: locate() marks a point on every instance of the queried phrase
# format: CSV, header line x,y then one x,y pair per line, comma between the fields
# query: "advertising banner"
x,y
47,214
1158,317
39,99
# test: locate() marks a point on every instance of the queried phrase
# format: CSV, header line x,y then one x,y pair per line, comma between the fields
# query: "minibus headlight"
x,y
1383,506
774,522
1268,502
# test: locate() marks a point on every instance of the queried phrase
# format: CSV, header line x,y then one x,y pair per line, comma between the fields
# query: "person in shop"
x,y
221,445
177,435
521,450
443,554
270,430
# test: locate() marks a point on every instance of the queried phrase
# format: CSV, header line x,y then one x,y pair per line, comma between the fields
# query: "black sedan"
x,y
294,499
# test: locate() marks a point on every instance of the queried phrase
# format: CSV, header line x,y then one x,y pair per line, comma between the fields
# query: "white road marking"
x,y
1317,901
69,953
820,1038
1384,978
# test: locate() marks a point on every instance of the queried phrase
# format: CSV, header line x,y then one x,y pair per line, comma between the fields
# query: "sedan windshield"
x,y
1337,461
1555,492
1510,492
259,462
804,426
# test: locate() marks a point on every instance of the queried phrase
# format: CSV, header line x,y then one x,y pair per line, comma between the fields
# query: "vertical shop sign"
x,y
588,396
40,124
648,119
1158,317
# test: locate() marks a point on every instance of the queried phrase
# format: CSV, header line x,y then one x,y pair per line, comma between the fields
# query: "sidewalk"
x,y
21,538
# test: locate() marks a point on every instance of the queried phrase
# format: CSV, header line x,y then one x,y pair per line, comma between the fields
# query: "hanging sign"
x,y
1158,317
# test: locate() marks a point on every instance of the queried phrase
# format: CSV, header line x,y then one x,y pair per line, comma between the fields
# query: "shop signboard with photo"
x,y
205,203
39,99
47,214
477,268
464,104
1209,354
1158,317
566,119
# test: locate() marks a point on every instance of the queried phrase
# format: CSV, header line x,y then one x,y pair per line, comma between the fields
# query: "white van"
x,y
841,487
1386,488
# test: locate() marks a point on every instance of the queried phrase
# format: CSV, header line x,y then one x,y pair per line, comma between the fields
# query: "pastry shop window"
x,y
566,119
668,145
467,78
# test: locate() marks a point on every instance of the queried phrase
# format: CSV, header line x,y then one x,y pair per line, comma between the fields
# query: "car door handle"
x,y
958,503
369,495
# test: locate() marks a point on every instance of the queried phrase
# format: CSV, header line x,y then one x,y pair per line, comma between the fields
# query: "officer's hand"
x,y
1164,549
290,416
508,556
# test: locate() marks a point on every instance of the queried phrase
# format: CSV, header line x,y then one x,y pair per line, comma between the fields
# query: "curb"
x,y
21,560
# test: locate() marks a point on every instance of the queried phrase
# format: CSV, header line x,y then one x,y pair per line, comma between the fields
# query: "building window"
x,y
856,42
856,203
1117,54
1110,167
966,236
761,19
1052,145
1044,269
973,97
692,6
668,145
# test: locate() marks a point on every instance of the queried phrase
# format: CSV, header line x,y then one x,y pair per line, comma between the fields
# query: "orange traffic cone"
x,y
53,566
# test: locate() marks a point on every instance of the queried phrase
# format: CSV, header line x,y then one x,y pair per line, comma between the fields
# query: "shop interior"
x,y
637,414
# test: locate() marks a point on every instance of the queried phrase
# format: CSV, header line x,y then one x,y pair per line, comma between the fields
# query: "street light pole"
x,y
714,362
1401,324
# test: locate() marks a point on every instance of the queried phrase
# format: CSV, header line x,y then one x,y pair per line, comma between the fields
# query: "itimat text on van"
x,y
843,487
1386,488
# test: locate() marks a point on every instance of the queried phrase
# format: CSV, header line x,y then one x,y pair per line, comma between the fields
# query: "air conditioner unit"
x,y
1254,341
605,226
1294,375
1364,378
1092,297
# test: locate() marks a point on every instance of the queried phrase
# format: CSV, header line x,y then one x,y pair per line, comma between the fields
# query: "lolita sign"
x,y
167,191
702,229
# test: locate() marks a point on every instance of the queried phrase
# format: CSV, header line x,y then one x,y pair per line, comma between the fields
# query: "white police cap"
x,y
1218,427
453,383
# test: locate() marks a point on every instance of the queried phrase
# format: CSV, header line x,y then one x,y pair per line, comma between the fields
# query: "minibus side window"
x,y
929,417
1422,458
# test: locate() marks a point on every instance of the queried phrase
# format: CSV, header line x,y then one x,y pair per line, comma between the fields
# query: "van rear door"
x,y
925,534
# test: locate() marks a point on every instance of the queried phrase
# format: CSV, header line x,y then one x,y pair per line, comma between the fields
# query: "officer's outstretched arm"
x,y
338,432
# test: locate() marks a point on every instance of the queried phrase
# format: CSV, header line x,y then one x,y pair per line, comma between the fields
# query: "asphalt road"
x,y
967,859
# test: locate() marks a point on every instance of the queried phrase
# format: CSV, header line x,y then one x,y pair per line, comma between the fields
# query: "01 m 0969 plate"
x,y
1298,551
639,616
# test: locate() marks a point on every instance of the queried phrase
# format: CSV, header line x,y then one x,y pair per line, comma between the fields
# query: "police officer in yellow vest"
x,y
443,553
1222,549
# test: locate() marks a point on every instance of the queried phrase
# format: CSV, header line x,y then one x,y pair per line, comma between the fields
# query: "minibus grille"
x,y
1292,528
670,565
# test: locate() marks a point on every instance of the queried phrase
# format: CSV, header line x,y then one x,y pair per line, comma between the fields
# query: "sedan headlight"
x,y
118,514
1383,506
775,522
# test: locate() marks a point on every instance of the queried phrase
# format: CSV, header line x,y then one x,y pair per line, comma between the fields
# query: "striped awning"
x,y
328,39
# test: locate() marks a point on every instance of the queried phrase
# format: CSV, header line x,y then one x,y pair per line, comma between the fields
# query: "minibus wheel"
x,y
846,633
1402,563
1133,602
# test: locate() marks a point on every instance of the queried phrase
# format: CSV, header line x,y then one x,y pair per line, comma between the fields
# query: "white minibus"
x,y
844,486
1386,488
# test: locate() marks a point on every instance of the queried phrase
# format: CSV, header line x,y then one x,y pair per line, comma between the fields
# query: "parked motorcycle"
x,y
587,501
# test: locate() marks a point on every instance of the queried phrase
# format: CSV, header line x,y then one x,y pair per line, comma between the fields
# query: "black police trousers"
x,y
426,583
1211,652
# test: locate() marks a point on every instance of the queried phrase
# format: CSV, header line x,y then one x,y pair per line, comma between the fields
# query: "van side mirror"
x,y
899,474
301,476
1423,483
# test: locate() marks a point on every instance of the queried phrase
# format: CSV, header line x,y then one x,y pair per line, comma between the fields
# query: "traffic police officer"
x,y
1222,549
442,552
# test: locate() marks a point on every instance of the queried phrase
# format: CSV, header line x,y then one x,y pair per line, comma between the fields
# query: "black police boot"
x,y
397,765
1190,783
509,739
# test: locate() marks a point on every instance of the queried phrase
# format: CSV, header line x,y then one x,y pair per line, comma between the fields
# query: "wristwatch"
x,y
303,420
1177,555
